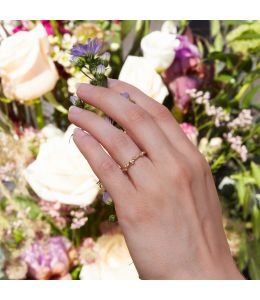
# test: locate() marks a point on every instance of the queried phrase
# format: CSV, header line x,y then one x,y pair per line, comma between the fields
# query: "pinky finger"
x,y
107,170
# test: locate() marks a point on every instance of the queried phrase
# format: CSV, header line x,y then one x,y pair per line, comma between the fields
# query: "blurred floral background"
x,y
53,222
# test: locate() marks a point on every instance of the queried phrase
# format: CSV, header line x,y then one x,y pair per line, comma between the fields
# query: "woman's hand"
x,y
166,203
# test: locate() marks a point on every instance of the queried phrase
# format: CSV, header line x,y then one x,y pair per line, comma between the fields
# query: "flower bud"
x,y
74,100
106,56
101,69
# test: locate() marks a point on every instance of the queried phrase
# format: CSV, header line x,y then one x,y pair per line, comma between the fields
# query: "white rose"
x,y
113,260
26,70
138,72
159,49
60,173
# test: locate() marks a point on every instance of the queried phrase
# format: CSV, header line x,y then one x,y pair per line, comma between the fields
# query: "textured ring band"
x,y
132,161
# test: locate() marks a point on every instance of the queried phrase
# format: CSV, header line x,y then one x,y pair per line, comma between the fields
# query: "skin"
x,y
167,204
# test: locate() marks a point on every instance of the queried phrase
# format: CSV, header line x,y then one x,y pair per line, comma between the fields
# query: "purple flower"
x,y
94,46
186,49
91,48
186,72
106,198
179,87
101,69
106,56
48,258
79,50
125,95
74,100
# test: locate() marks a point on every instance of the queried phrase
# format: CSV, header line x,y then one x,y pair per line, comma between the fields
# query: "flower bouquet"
x,y
55,220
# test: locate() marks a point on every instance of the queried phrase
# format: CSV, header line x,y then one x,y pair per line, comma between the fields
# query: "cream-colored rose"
x,y
138,72
60,173
113,260
159,49
26,70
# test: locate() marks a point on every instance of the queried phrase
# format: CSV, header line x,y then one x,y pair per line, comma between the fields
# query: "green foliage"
x,y
245,38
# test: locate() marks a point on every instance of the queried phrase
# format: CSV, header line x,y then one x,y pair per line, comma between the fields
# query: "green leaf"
x,y
39,114
75,273
218,162
224,77
126,27
230,59
50,98
243,256
256,221
5,100
254,269
245,38
141,29
247,35
256,172
17,235
246,102
218,42
241,191
241,91
214,27
25,202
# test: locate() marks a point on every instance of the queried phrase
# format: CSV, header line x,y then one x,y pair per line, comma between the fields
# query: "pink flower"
x,y
48,258
179,87
190,131
48,27
19,28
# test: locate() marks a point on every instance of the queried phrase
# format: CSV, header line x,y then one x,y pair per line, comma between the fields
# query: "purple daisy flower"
x,y
92,47
79,50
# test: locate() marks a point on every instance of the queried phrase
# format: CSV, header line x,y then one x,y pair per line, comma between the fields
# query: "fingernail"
x,y
85,85
79,132
74,109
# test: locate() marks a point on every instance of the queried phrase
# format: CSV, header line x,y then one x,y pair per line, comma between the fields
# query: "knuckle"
x,y
120,140
107,166
201,164
184,174
138,215
160,112
137,115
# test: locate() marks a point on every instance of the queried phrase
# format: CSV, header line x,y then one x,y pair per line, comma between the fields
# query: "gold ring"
x,y
132,161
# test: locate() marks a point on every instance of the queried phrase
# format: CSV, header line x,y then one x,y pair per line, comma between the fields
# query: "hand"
x,y
167,204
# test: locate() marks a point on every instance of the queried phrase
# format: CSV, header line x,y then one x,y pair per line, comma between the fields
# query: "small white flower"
x,y
73,82
68,41
243,121
114,46
226,181
64,59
